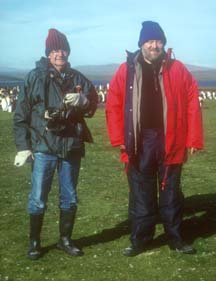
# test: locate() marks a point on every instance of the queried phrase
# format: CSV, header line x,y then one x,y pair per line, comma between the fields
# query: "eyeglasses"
x,y
63,52
157,43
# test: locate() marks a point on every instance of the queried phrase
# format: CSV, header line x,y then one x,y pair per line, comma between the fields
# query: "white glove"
x,y
75,99
22,157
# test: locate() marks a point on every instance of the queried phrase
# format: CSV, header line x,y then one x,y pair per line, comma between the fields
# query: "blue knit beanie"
x,y
151,31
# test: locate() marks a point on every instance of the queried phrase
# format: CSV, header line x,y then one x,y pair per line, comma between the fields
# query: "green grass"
x,y
101,228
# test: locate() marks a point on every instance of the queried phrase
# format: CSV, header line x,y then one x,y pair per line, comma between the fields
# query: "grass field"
x,y
101,227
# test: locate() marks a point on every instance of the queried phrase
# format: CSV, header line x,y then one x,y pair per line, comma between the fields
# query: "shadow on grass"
x,y
194,226
48,248
199,225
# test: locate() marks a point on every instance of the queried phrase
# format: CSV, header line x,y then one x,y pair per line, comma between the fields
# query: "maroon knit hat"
x,y
56,41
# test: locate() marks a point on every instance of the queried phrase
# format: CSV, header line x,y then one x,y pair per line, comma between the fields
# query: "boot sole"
x,y
69,252
34,257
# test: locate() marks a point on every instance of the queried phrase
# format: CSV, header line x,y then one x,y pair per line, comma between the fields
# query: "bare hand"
x,y
122,147
192,150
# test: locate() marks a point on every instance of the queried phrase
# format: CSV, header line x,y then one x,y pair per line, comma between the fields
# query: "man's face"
x,y
152,50
58,58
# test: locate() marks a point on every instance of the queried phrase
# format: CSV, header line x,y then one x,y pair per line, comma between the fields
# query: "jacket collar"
x,y
44,64
134,57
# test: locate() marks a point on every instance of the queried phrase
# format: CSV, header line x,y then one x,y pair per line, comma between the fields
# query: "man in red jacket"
x,y
153,115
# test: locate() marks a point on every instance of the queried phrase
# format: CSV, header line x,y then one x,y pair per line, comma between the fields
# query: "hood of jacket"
x,y
44,64
134,57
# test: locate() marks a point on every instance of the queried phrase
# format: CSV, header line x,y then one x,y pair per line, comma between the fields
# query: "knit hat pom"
x,y
56,41
151,31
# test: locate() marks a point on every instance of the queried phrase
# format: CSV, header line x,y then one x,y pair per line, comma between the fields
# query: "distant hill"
x,y
106,69
202,73
103,73
98,73
7,77
205,75
11,74
194,68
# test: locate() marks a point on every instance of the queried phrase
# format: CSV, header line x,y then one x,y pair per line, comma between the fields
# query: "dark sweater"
x,y
151,101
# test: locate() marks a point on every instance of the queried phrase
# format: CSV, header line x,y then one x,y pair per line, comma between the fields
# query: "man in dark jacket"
x,y
49,128
153,115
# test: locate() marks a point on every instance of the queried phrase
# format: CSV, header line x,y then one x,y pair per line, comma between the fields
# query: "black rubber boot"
x,y
36,222
67,219
133,251
181,247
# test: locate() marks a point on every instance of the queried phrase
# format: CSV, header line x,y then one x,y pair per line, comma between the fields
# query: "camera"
x,y
54,113
56,119
63,122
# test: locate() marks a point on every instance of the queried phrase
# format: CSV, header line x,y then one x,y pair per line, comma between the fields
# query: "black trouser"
x,y
146,175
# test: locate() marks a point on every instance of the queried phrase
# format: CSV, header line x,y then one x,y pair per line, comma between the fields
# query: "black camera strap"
x,y
46,91
46,105
43,137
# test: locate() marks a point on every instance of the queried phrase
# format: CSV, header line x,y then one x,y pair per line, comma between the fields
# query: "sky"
x,y
99,31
